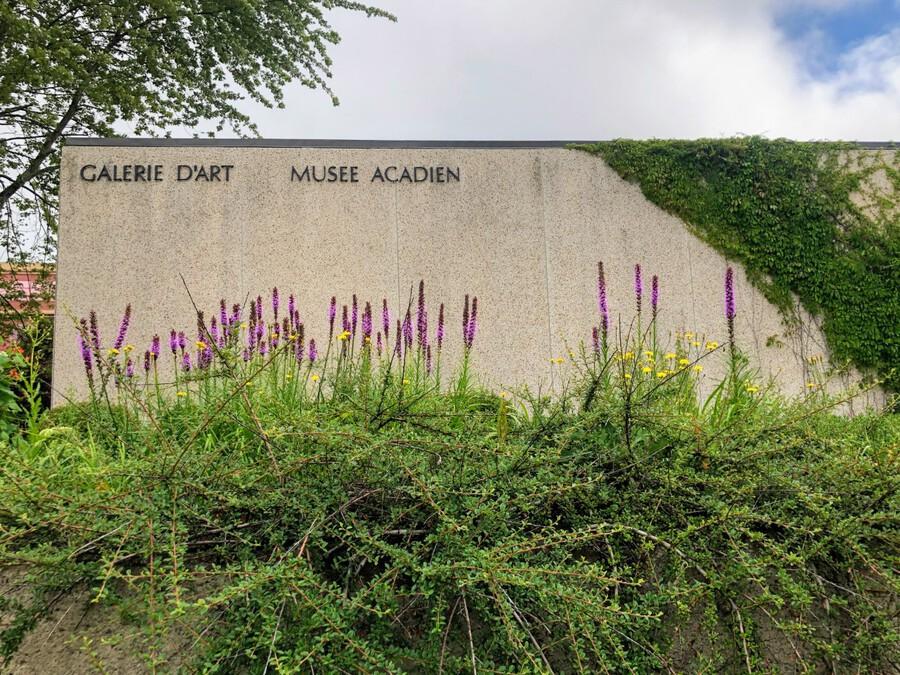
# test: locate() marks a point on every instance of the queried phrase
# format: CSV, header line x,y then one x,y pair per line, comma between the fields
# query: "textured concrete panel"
x,y
522,229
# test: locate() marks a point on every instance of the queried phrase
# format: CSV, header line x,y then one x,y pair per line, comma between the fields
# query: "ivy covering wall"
x,y
815,221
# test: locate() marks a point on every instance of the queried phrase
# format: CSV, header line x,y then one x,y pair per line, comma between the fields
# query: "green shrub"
x,y
384,522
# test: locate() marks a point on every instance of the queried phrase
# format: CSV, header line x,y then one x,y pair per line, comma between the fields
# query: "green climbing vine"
x,y
815,221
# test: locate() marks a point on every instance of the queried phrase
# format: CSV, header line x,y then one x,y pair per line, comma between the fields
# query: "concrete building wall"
x,y
522,228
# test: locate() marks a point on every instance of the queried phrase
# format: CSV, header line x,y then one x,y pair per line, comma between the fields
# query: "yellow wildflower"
x,y
290,376
695,343
698,368
200,344
670,355
683,362
688,336
646,369
810,385
314,378
344,335
181,393
245,325
662,373
367,339
113,352
648,354
751,389
129,348
504,395
628,356
557,360
405,381
712,344
627,376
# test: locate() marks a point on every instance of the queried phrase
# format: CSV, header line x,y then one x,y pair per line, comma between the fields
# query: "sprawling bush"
x,y
363,513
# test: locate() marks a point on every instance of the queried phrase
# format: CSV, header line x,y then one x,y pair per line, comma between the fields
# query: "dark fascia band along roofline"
x,y
355,144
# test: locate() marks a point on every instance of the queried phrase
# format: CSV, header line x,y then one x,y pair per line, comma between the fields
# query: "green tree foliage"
x,y
786,210
75,67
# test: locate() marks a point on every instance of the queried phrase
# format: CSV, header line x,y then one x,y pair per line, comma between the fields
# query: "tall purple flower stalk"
x,y
313,354
602,305
332,311
182,340
354,315
345,319
292,310
378,343
465,321
155,347
730,311
407,331
595,340
146,361
421,317
94,332
472,326
173,341
84,347
258,308
223,316
299,346
186,362
123,328
638,287
440,328
275,303
129,368
654,296
385,318
367,324
428,359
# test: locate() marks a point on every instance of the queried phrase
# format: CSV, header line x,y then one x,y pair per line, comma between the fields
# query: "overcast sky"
x,y
599,69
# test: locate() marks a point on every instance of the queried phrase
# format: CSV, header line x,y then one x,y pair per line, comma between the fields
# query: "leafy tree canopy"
x,y
75,67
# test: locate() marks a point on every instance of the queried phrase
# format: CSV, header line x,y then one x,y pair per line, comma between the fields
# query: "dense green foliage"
x,y
382,523
784,210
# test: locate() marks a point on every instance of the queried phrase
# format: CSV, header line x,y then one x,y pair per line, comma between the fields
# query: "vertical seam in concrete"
x,y
546,268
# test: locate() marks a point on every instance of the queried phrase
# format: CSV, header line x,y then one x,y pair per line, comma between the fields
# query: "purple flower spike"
x,y
173,341
332,311
223,315
129,368
123,328
155,347
421,317
94,332
440,328
84,346
428,359
407,331
345,319
378,344
385,318
263,347
367,323
601,302
292,308
147,361
186,362
313,354
246,355
654,295
595,339
354,316
258,308
182,340
638,287
398,340
730,312
465,323
473,324
275,303
214,331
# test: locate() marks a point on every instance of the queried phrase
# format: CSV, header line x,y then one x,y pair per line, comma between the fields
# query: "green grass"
x,y
374,521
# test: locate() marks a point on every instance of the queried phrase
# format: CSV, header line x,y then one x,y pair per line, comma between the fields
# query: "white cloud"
x,y
582,69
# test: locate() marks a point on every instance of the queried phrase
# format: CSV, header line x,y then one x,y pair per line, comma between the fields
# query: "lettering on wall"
x,y
309,173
